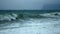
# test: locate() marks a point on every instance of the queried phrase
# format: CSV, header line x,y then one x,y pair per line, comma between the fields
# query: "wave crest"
x,y
13,16
8,17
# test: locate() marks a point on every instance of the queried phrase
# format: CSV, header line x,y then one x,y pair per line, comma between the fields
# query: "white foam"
x,y
35,26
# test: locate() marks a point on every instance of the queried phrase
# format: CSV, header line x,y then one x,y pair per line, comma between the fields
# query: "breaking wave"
x,y
10,17
30,23
24,19
13,16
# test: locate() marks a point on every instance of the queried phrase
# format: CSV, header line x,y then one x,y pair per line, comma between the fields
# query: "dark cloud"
x,y
26,4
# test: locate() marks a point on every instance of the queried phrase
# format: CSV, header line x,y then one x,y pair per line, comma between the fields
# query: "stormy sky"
x,y
29,4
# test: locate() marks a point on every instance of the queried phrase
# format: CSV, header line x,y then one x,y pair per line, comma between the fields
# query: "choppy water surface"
x,y
26,23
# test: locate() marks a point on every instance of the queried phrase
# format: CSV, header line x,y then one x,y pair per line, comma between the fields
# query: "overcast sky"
x,y
29,4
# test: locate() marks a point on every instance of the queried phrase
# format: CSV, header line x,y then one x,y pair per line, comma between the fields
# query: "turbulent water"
x,y
30,23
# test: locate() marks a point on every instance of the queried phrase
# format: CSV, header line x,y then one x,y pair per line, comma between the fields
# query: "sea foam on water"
x,y
46,25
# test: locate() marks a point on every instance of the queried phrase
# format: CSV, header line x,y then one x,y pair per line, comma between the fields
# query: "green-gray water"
x,y
29,22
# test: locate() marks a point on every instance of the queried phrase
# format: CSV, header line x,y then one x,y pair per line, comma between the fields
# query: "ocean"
x,y
29,22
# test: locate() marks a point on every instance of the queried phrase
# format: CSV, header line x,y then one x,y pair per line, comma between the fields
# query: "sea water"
x,y
30,23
